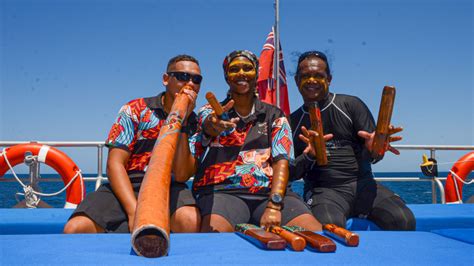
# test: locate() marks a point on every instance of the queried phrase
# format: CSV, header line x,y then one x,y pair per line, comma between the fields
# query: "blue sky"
x,y
66,67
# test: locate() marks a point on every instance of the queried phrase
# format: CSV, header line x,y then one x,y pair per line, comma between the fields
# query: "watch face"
x,y
276,198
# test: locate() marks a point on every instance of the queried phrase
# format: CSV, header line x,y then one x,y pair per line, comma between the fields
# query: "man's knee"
x,y
329,214
81,224
186,219
393,214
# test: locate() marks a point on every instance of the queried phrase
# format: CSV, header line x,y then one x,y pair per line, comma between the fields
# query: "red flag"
x,y
266,83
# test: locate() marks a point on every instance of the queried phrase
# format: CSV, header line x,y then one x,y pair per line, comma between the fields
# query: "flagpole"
x,y
276,58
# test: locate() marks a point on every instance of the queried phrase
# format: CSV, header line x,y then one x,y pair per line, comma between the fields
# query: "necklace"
x,y
251,113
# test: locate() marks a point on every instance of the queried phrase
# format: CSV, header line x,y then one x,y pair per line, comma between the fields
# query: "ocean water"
x,y
411,192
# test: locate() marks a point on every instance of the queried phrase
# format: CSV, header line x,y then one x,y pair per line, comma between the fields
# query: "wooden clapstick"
x,y
318,142
345,236
316,241
150,234
260,237
211,98
382,133
296,242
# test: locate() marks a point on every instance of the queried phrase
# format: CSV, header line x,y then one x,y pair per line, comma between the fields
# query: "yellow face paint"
x,y
318,80
311,79
241,67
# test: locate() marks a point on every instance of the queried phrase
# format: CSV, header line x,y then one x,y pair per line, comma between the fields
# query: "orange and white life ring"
x,y
53,157
462,168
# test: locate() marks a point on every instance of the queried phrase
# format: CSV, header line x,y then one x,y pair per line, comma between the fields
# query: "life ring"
x,y
54,158
462,168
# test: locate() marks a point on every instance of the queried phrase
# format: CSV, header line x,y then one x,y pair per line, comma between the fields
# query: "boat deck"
x,y
376,248
51,221
445,236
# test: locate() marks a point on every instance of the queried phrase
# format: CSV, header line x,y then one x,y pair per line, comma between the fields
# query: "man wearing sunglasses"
x,y
345,187
133,135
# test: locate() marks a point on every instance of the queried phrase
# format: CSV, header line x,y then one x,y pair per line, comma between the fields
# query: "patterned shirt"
x,y
240,159
136,129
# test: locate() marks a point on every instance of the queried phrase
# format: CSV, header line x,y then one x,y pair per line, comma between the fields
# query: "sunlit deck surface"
x,y
445,236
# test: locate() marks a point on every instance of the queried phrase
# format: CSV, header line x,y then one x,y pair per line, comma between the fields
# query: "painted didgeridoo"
x,y
345,236
318,141
316,241
260,237
151,230
295,242
382,132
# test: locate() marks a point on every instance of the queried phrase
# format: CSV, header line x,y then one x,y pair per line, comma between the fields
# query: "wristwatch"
x,y
276,198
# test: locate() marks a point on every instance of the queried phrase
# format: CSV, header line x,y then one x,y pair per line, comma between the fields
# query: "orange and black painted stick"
x,y
296,242
345,236
150,236
260,237
216,106
382,133
316,241
318,141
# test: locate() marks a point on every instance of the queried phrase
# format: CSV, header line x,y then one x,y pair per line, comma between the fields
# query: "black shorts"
x,y
248,208
103,207
354,199
363,199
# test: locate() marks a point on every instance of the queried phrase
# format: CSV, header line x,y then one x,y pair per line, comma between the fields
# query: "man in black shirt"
x,y
345,187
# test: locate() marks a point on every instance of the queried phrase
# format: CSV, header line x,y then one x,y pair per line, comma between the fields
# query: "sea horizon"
x,y
410,192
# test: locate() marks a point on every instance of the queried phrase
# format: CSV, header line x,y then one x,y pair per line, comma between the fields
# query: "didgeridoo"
x,y
318,142
150,235
260,237
296,242
345,236
216,106
316,241
382,133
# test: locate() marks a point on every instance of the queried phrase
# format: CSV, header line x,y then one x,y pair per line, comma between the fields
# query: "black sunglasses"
x,y
183,76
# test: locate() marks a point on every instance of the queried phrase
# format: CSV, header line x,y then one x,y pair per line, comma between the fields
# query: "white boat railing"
x,y
99,145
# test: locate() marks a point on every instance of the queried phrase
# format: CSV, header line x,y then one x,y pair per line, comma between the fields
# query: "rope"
x,y
31,199
460,179
29,190
455,162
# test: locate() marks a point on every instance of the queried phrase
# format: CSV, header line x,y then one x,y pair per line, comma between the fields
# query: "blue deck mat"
x,y
376,248
461,234
51,221
442,216
33,221
428,217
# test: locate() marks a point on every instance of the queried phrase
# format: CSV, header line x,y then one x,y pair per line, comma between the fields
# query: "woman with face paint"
x,y
240,161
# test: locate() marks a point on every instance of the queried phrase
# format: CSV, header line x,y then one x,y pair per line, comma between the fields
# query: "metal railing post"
x,y
433,182
100,159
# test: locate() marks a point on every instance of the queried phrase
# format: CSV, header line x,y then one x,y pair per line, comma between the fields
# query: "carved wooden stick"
x,y
211,98
260,237
318,142
345,236
316,241
150,236
382,133
296,242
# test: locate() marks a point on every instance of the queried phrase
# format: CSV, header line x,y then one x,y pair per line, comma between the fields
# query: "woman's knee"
x,y
306,221
214,223
186,219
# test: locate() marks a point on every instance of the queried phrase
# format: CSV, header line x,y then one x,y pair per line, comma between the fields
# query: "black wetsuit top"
x,y
343,116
